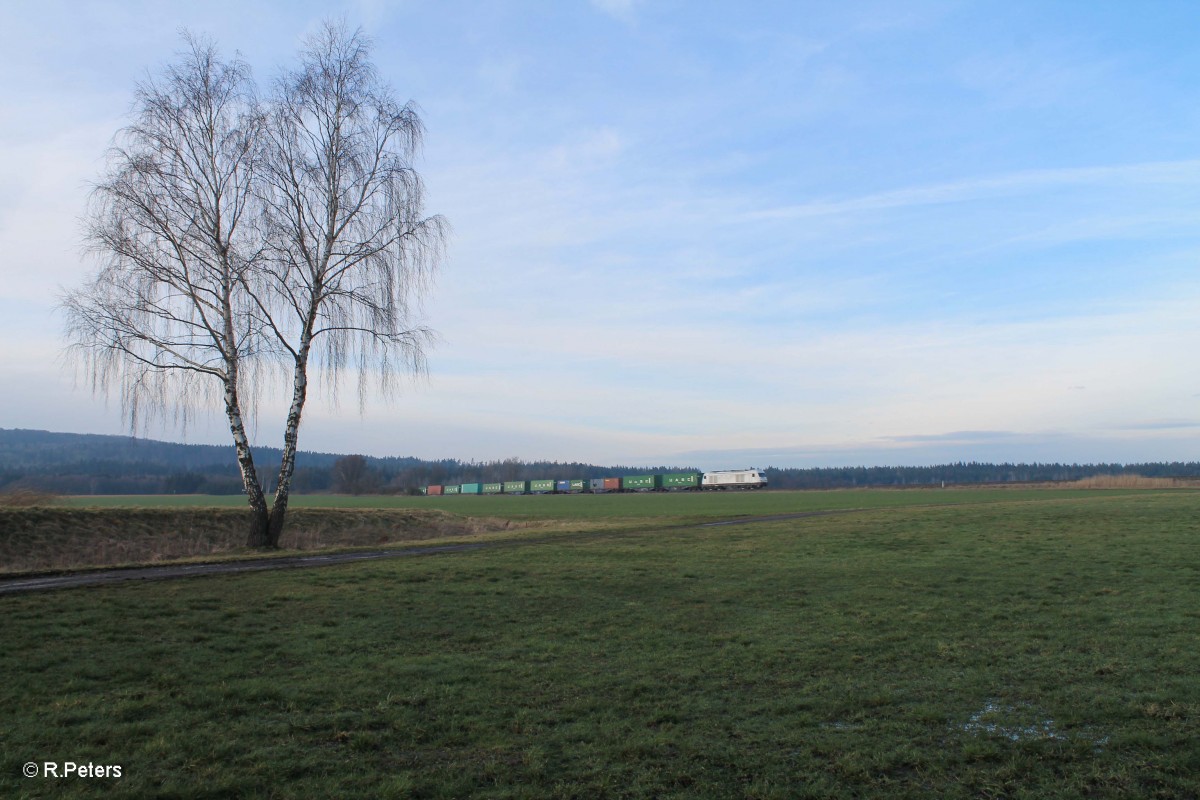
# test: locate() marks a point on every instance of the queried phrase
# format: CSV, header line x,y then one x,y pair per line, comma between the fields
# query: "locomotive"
x,y
718,480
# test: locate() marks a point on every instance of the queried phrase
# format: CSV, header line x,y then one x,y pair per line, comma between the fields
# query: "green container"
x,y
637,483
541,486
472,488
493,488
516,487
455,489
681,480
424,490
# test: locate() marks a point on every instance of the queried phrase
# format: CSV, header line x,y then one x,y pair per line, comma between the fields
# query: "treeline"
x,y
67,463
967,473
70,463
375,477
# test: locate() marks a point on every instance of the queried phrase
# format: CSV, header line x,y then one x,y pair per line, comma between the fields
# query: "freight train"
x,y
669,482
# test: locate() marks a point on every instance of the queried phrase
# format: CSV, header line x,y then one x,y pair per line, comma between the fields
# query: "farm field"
x,y
1007,645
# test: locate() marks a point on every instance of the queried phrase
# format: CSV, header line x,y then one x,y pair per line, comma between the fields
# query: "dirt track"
x,y
173,571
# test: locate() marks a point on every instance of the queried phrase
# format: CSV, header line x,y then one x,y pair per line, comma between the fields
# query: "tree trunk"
x,y
274,524
287,466
257,535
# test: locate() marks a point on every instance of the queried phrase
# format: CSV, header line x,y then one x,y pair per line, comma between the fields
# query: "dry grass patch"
x,y
40,538
1133,482
27,498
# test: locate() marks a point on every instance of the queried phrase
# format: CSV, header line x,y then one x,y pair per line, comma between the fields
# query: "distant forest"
x,y
69,463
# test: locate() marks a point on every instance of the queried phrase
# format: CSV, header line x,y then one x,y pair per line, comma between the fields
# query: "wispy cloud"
x,y
622,10
1025,182
501,73
1162,425
957,437
588,150
1037,77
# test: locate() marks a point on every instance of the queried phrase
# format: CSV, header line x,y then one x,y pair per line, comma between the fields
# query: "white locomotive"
x,y
734,479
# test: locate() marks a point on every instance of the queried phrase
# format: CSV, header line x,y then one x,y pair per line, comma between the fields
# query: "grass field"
x,y
112,531
1010,645
673,505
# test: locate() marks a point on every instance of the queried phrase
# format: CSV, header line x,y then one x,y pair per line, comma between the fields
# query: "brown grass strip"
x,y
42,538
1133,482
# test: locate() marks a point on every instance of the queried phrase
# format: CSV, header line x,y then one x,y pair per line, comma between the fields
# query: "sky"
x,y
701,234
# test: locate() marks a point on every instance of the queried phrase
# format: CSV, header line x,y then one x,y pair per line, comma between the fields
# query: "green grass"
x,y
994,649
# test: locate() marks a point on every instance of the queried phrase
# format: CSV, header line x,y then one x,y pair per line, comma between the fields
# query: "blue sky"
x,y
709,234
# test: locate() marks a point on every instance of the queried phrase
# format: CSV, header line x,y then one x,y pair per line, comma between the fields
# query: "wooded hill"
x,y
71,463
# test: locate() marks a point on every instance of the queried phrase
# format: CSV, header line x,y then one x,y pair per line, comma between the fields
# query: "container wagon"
x,y
493,488
472,488
542,486
571,487
455,489
516,487
641,483
681,480
435,490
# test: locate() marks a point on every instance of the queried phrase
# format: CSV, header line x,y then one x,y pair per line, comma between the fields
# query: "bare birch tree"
x,y
241,237
167,320
350,248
